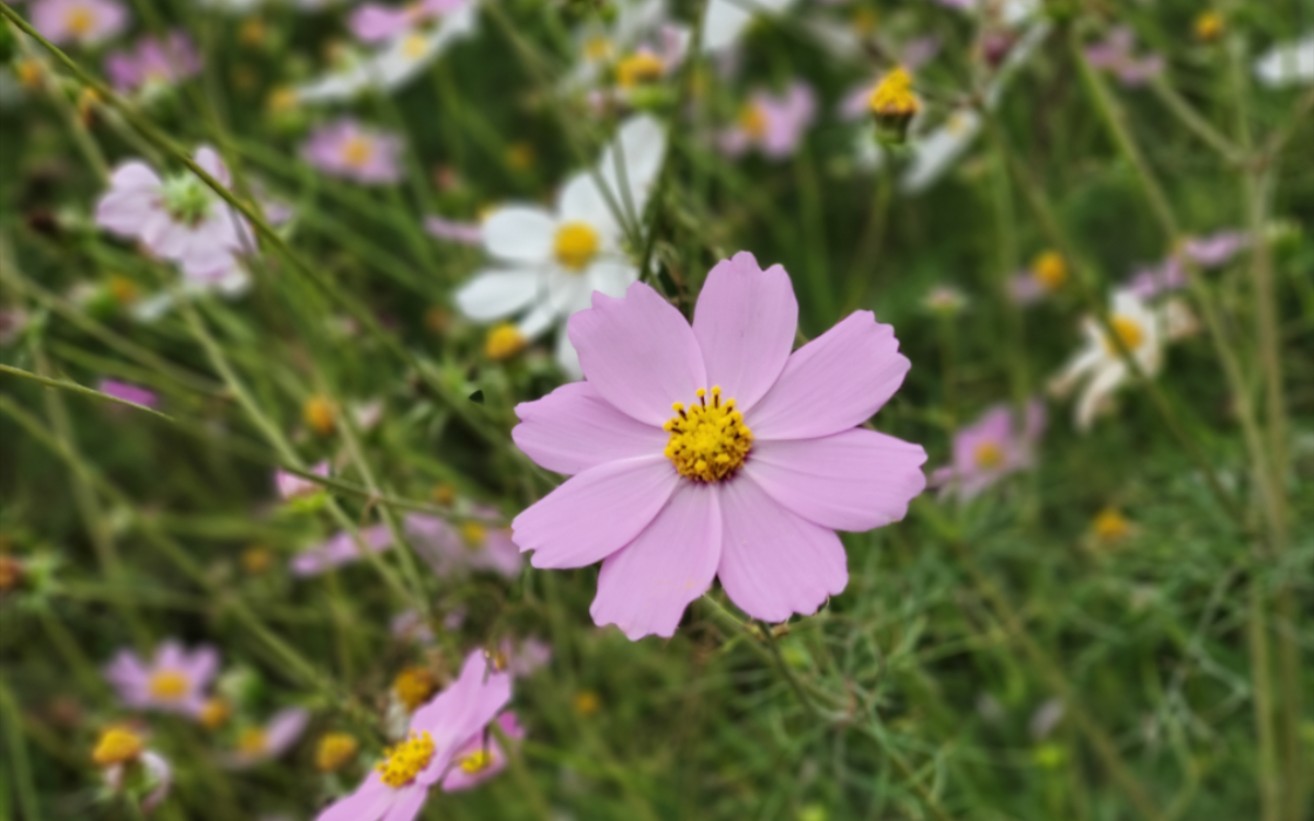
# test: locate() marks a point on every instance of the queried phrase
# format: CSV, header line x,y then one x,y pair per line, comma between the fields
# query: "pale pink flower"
x,y
339,549
525,656
290,485
445,738
259,744
128,392
1206,253
85,22
462,233
175,680
773,124
153,63
478,761
375,22
745,478
989,449
1116,54
345,148
471,544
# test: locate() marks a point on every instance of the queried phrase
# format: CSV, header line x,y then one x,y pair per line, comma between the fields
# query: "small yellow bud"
x,y
334,751
319,415
117,745
586,703
1209,26
503,342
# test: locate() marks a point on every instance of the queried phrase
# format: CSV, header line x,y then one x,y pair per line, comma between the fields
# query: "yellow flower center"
x,y
476,762
520,156
1111,526
281,100
168,685
414,46
1050,270
413,687
214,713
753,120
117,745
575,245
29,73
333,751
597,49
586,703
504,341
893,96
253,741
405,760
80,21
708,442
1129,333
988,455
319,415
474,534
639,68
1208,26
357,151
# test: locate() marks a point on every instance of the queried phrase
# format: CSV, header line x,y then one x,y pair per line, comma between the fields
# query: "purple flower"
x,y
259,744
153,63
990,449
128,393
374,22
339,549
85,22
464,233
1115,54
470,545
345,148
290,485
1207,252
773,124
175,680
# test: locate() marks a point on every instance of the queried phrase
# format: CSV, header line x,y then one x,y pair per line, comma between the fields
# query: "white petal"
x,y
493,293
520,233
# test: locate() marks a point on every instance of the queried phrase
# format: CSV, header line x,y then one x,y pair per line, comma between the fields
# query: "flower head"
x,y
893,103
85,22
175,680
129,392
153,64
1116,54
345,148
773,124
1287,64
476,543
989,449
712,452
257,744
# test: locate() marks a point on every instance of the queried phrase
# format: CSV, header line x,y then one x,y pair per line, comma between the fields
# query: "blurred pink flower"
x,y
290,485
464,233
1115,54
477,761
773,124
339,549
748,483
153,63
259,744
128,392
472,544
443,740
158,772
375,22
525,656
85,22
990,449
175,680
345,148
1207,252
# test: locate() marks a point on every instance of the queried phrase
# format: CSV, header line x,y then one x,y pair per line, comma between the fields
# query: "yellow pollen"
x,y
80,21
319,415
893,96
168,685
503,341
575,245
334,750
252,741
476,762
413,687
1128,331
753,120
639,68
708,442
117,745
1050,270
405,760
597,49
413,47
357,151
988,455
214,713
586,703
1110,525
474,534
1208,26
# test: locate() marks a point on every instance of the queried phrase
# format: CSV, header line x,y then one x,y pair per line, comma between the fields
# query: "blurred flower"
x,y
259,744
1110,526
726,20
547,264
463,233
374,22
586,703
945,300
340,549
175,680
765,526
1287,64
482,757
345,148
290,485
256,559
334,751
470,545
1206,252
85,22
1115,54
503,341
1208,26
215,712
320,415
1046,717
439,743
413,686
990,449
12,573
1046,275
128,393
153,64
522,656
893,104
13,321
637,45
774,124
121,752
178,218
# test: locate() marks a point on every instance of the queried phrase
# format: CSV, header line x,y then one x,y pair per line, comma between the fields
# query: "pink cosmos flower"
x,y
1115,54
290,485
989,449
478,761
259,744
340,549
1207,252
463,233
175,680
153,63
85,22
178,218
464,546
128,392
345,148
445,738
525,656
374,22
774,124
712,452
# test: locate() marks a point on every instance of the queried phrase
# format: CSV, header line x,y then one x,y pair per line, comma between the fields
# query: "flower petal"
x,y
368,803
595,513
834,382
638,352
520,233
493,294
408,805
745,322
855,480
645,587
573,429
773,562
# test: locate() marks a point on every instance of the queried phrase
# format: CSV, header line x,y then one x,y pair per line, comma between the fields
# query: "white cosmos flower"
x,y
1143,330
546,264
395,63
1288,64
599,45
726,20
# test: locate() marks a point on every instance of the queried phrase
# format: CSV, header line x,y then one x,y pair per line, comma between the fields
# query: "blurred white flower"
x,y
1288,64
726,20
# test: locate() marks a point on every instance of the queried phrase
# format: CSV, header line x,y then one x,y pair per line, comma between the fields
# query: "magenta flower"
x,y
463,233
178,218
259,744
374,22
290,485
472,544
128,392
153,63
445,737
773,124
1116,54
85,22
345,148
175,680
713,452
989,449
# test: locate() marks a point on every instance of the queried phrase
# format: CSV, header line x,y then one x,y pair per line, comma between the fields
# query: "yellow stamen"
x,y
414,46
1129,333
474,534
168,685
988,455
504,341
1111,526
476,762
708,442
334,750
406,760
1208,26
253,741
1050,270
214,713
586,703
80,20
639,68
357,151
893,96
597,49
753,120
413,686
575,245
319,415
117,745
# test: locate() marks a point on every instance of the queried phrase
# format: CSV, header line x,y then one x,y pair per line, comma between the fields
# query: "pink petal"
x,y
773,562
855,480
745,322
462,710
368,803
638,352
595,513
645,587
834,382
408,804
573,429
